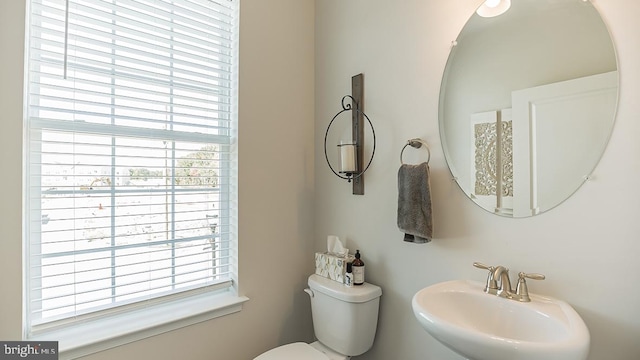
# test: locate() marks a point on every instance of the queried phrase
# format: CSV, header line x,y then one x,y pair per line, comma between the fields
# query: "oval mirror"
x,y
527,104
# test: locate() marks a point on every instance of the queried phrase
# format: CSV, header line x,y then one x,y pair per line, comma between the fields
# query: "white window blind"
x,y
129,181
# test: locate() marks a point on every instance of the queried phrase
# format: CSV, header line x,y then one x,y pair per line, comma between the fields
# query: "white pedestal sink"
x,y
481,326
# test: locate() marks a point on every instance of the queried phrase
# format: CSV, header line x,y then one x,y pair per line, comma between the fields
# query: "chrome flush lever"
x,y
309,291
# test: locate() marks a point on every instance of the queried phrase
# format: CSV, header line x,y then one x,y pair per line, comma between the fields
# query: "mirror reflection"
x,y
527,104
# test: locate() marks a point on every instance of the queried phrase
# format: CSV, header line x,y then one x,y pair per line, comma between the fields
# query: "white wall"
x,y
11,45
276,188
588,246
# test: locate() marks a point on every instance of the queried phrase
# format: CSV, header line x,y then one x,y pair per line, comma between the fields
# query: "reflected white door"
x,y
568,114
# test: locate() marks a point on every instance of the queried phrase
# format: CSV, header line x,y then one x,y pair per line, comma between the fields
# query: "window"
x,y
130,164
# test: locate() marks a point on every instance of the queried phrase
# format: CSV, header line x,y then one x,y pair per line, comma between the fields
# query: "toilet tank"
x,y
345,318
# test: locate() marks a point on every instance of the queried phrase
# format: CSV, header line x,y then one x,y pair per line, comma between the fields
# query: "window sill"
x,y
99,335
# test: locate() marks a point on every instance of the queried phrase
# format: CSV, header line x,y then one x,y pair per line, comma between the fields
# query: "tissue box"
x,y
331,266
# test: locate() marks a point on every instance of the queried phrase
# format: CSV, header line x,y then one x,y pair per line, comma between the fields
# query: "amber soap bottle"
x,y
358,269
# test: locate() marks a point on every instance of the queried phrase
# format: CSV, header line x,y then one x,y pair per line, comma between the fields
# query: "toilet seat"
x,y
294,351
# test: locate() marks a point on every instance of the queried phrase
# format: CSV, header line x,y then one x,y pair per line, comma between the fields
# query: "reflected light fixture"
x,y
491,8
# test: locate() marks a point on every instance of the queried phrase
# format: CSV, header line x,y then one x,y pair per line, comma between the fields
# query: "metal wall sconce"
x,y
351,151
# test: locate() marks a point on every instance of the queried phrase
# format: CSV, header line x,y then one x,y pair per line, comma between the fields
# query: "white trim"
x,y
90,337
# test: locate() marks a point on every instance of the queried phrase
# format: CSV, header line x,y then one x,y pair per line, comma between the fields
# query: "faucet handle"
x,y
533,276
483,266
522,291
492,285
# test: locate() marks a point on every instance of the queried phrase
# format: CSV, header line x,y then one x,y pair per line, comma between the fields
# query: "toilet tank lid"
x,y
354,294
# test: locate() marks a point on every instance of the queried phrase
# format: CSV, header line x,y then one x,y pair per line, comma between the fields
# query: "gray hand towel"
x,y
414,203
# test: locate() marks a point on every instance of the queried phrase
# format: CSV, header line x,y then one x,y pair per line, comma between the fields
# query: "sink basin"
x,y
480,326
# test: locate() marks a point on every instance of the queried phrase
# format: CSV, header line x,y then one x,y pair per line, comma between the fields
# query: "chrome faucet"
x,y
499,283
502,275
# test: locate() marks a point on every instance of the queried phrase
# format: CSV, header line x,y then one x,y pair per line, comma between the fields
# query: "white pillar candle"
x,y
347,157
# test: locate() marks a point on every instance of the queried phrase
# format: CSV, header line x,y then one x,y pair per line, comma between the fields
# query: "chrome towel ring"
x,y
416,143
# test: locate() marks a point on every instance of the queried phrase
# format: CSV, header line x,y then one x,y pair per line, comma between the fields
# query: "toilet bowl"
x,y
302,351
345,320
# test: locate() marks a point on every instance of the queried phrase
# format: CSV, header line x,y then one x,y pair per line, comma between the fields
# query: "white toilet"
x,y
344,320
